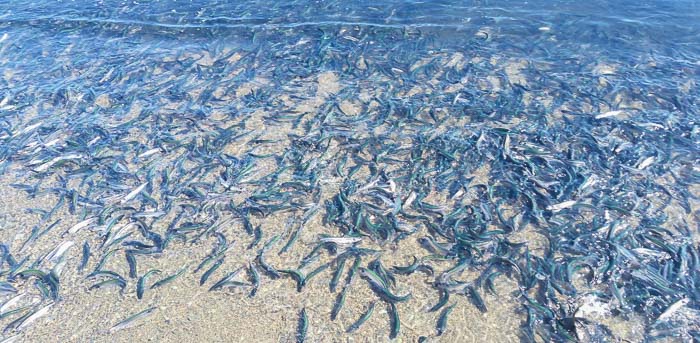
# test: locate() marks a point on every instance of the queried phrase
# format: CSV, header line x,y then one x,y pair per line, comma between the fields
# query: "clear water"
x,y
538,158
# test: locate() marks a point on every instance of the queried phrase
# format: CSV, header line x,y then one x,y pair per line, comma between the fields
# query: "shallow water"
x,y
536,161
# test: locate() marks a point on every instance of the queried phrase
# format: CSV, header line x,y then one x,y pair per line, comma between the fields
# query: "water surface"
x,y
471,170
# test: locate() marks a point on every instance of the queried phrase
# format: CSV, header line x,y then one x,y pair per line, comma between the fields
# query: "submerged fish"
x,y
609,114
132,320
133,193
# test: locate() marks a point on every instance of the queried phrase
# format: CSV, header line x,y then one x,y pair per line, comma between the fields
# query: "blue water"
x,y
583,114
631,33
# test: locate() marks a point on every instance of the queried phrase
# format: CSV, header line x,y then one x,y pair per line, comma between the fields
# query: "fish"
x,y
562,205
133,193
226,280
85,256
255,279
58,252
381,287
363,318
341,240
141,284
302,327
149,152
28,129
169,279
81,225
11,302
340,266
646,162
339,303
210,271
442,321
609,114
444,298
506,146
671,310
395,321
45,166
36,314
133,320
